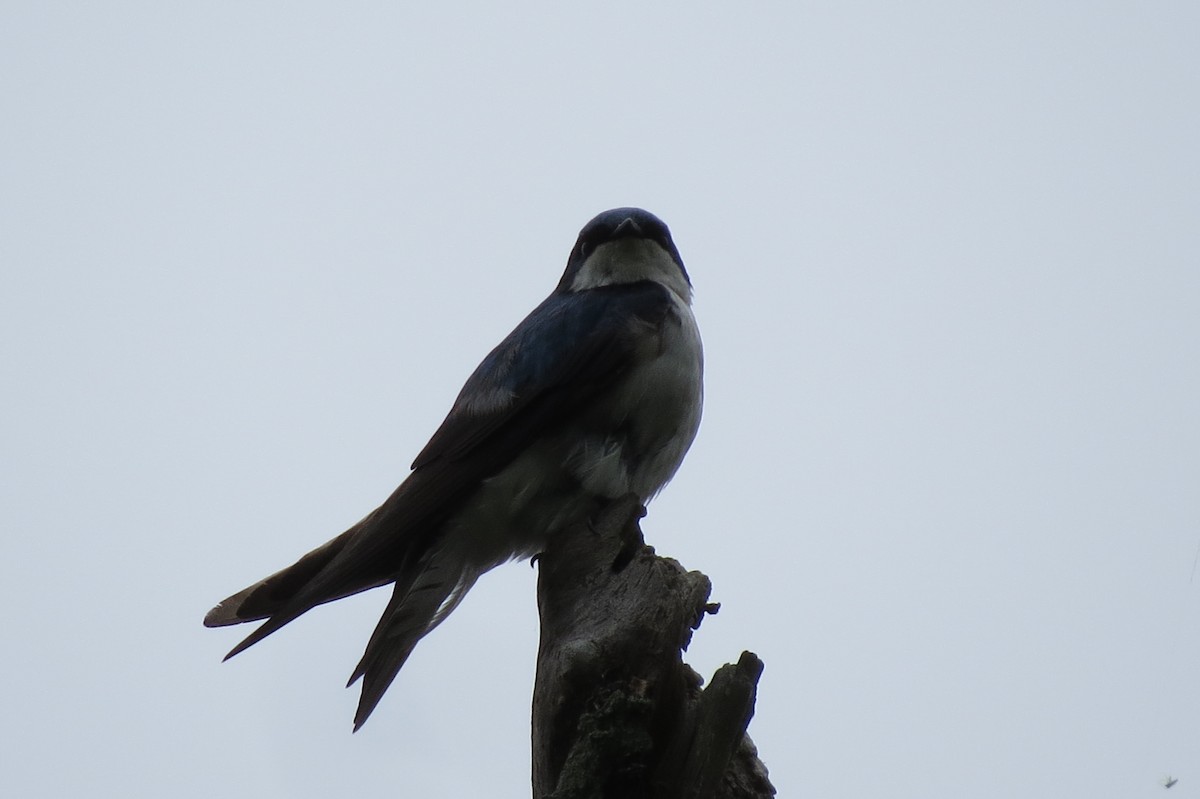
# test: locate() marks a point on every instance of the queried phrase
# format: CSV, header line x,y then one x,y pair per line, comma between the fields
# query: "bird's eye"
x,y
583,249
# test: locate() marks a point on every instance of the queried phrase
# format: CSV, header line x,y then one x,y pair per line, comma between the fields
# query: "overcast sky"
x,y
947,269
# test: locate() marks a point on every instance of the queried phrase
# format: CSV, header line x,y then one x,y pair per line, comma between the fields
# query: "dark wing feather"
x,y
265,597
568,349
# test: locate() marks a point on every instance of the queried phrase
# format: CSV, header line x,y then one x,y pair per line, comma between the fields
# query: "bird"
x,y
1169,781
596,395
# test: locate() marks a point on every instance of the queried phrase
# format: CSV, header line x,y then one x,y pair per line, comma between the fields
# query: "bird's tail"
x,y
329,572
419,603
268,595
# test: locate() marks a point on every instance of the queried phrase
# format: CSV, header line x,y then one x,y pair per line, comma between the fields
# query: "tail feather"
x,y
397,542
268,595
418,605
334,570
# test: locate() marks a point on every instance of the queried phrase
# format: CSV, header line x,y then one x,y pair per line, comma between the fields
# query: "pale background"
x,y
947,268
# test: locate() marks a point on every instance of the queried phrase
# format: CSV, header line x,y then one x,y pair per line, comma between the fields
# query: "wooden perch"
x,y
616,712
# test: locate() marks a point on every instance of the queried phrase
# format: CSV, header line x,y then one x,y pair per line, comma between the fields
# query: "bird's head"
x,y
625,245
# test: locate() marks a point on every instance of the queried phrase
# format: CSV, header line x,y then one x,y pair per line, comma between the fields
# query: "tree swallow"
x,y
594,396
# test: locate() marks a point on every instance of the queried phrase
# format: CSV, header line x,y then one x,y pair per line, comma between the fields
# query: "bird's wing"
x,y
568,350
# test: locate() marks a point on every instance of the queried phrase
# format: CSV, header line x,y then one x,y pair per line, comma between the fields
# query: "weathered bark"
x,y
616,712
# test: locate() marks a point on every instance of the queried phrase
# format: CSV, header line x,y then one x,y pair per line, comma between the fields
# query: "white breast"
x,y
654,415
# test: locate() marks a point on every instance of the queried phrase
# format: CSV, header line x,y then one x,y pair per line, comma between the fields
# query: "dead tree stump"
x,y
616,712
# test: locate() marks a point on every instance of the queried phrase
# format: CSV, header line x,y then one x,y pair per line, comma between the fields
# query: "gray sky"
x,y
947,269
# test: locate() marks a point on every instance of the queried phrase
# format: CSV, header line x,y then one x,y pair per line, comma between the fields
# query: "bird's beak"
x,y
627,228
